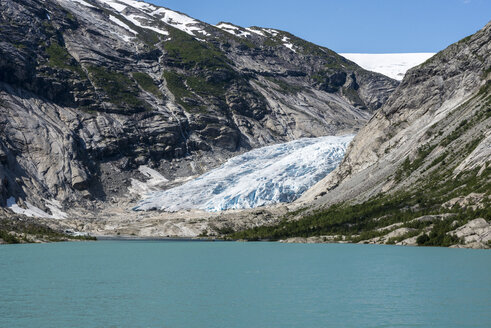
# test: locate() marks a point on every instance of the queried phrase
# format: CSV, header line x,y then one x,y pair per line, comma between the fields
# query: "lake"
x,y
231,284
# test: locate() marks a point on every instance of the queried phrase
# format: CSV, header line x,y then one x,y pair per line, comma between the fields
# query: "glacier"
x,y
392,65
273,174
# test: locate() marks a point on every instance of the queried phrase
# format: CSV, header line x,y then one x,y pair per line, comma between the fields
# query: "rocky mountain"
x,y
438,119
91,90
419,171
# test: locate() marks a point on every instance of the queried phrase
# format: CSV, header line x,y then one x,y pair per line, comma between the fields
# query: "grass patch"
x,y
24,228
175,83
119,88
147,83
284,86
184,50
204,88
58,57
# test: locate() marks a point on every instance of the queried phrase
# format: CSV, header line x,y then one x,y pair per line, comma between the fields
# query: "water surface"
x,y
190,284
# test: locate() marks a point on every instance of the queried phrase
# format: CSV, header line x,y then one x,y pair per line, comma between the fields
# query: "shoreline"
x,y
137,238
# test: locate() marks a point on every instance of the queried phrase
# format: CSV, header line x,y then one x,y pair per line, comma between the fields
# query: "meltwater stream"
x,y
263,176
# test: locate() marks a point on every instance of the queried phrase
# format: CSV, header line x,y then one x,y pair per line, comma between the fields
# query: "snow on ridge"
x,y
124,26
287,43
137,20
117,5
263,176
83,3
180,21
271,31
232,29
392,65
170,17
255,31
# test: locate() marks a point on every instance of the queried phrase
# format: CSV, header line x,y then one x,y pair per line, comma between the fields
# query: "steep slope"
x,y
90,90
420,168
441,107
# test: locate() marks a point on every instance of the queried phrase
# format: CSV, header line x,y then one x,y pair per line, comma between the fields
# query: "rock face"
x,y
92,90
475,231
436,123
419,172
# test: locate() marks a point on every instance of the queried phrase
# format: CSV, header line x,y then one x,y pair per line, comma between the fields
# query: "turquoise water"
x,y
201,284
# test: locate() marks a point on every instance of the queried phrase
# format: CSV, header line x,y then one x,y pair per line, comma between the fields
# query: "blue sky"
x,y
370,26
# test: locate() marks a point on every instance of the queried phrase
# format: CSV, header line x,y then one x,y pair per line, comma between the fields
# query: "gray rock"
x,y
431,109
76,122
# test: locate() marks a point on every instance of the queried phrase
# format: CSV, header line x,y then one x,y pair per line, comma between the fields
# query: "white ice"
x,y
122,24
31,210
256,31
232,29
142,188
170,17
83,3
115,4
392,65
137,20
55,208
268,175
180,21
288,43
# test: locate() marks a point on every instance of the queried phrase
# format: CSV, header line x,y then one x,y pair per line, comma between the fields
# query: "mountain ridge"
x,y
418,172
92,90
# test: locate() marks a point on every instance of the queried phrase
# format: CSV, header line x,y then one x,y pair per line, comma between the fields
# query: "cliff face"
x,y
419,172
91,90
436,124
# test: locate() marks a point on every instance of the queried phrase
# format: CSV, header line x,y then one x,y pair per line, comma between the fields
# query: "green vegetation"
x,y
191,53
205,88
149,37
59,57
175,83
435,184
25,230
186,89
409,166
360,221
352,95
119,88
438,235
147,83
285,87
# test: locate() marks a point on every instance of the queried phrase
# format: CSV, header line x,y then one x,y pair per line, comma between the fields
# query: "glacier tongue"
x,y
268,175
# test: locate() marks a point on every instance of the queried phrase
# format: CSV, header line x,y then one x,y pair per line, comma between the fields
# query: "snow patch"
x,y
180,21
287,43
143,188
392,65
83,3
115,4
137,20
31,210
55,208
268,175
259,32
121,24
271,31
232,29
170,17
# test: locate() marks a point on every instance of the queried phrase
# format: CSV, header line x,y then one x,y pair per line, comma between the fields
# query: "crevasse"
x,y
263,176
